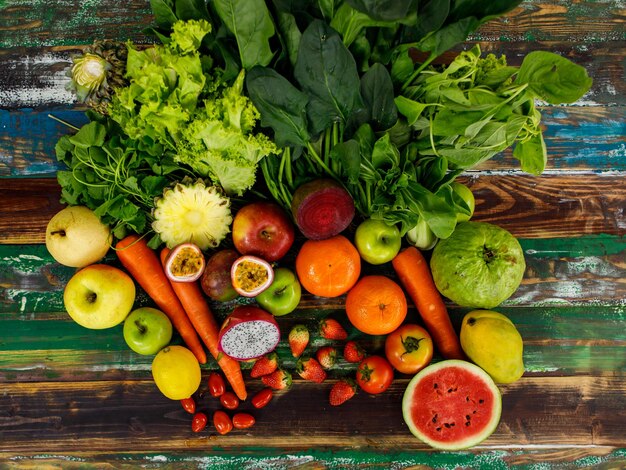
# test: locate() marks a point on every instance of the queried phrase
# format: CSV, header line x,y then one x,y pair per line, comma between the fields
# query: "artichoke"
x,y
98,72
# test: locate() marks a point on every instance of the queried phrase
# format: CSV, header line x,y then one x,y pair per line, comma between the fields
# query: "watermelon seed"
x,y
438,429
435,385
481,401
435,418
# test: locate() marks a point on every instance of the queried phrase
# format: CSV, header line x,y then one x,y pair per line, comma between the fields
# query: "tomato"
x,y
189,405
262,398
222,422
374,374
243,420
409,349
217,386
198,422
229,400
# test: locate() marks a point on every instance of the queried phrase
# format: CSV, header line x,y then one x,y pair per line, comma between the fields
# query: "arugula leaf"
x,y
532,154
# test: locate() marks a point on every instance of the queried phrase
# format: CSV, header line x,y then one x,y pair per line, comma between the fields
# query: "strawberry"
x,y
352,352
298,339
332,329
326,356
309,369
278,380
264,365
342,391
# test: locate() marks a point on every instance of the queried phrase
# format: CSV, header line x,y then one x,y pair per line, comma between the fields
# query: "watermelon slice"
x,y
452,405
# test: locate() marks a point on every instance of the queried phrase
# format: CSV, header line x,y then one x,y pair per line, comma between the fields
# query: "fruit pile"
x,y
479,266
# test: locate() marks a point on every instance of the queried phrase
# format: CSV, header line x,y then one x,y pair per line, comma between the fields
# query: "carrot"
x,y
143,264
200,315
414,273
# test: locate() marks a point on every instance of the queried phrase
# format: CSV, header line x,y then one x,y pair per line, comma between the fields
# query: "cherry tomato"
x,y
198,422
222,422
374,374
189,405
229,400
409,348
217,386
243,420
262,398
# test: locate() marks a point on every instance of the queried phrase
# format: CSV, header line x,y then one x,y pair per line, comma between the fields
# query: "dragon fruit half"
x,y
248,332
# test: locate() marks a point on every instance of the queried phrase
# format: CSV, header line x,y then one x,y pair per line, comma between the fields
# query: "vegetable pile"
x,y
330,112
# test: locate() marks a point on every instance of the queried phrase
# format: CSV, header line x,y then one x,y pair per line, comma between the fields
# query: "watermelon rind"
x,y
469,441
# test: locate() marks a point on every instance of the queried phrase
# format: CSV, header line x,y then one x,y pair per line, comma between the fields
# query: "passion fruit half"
x,y
251,275
185,263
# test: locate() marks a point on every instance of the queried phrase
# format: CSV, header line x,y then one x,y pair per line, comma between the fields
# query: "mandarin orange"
x,y
376,305
328,268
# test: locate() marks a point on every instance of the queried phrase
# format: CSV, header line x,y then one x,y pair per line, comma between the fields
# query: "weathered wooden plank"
x,y
36,77
577,138
111,415
596,457
58,23
552,205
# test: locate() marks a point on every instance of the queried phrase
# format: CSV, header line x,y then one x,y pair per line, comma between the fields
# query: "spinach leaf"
x,y
282,106
163,11
449,36
384,10
290,35
191,10
532,154
347,153
378,94
327,73
431,15
481,9
410,109
553,78
349,22
252,26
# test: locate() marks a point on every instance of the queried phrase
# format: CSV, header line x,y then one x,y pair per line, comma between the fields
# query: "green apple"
x,y
99,296
283,295
376,241
466,194
147,330
75,237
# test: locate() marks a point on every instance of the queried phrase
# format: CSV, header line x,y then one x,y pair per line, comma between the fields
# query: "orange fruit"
x,y
376,305
328,268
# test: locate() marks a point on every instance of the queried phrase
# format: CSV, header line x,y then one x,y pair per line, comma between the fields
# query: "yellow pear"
x,y
492,342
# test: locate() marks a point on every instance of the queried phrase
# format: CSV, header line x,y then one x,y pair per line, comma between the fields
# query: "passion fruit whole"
x,y
215,281
251,275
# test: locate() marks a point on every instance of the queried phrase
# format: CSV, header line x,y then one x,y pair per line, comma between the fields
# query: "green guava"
x,y
480,265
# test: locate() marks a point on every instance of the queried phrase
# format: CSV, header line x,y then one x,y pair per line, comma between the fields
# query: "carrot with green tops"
x,y
200,315
414,273
144,265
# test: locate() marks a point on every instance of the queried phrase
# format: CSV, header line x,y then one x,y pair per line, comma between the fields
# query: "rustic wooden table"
x,y
72,397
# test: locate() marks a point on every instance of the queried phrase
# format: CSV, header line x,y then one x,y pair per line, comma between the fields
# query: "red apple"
x,y
263,229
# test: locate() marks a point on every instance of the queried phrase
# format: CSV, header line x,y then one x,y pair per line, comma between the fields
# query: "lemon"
x,y
176,372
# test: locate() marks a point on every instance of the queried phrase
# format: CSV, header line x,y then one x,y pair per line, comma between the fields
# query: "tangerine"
x,y
328,268
376,305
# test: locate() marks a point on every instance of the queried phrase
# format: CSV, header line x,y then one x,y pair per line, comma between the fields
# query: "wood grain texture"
x,y
552,205
537,411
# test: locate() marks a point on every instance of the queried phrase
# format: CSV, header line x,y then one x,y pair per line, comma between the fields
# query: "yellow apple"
x,y
76,237
99,296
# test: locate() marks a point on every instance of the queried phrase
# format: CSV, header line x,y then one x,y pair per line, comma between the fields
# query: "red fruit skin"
x,y
341,392
229,401
278,380
217,386
264,365
242,314
353,353
298,340
243,420
198,422
262,398
332,329
222,422
189,405
311,370
326,356
263,229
